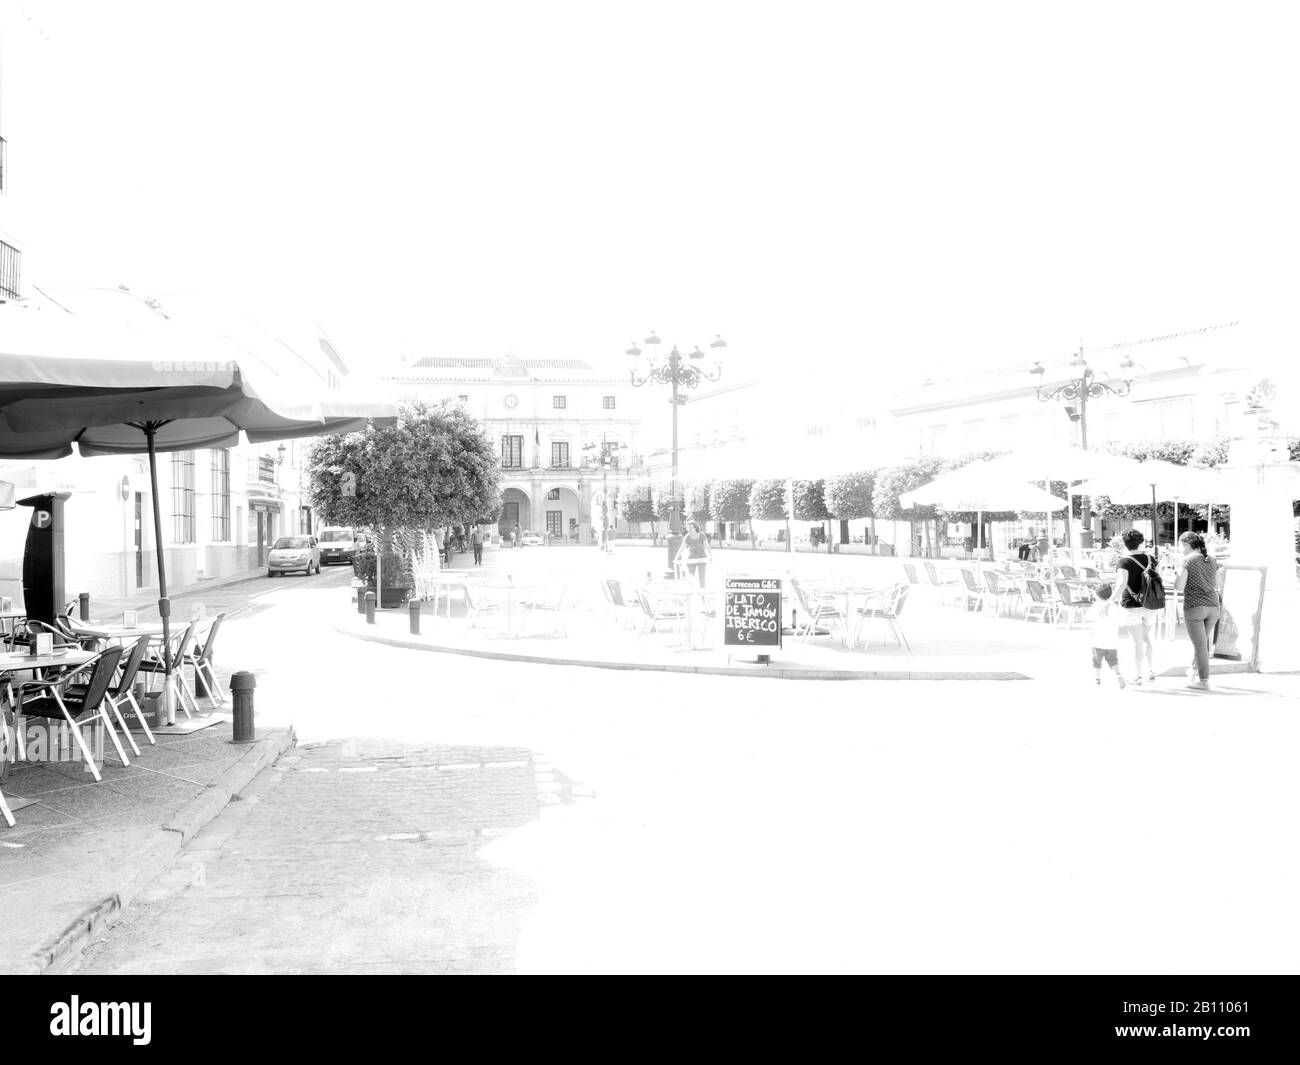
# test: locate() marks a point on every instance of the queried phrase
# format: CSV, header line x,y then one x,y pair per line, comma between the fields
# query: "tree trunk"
x,y
874,549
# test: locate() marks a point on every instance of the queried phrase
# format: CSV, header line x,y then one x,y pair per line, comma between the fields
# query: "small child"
x,y
1103,619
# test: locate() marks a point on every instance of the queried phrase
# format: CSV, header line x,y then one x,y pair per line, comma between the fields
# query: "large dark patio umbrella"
x,y
115,390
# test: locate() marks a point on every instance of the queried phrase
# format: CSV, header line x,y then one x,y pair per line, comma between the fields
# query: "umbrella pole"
x,y
164,604
1154,533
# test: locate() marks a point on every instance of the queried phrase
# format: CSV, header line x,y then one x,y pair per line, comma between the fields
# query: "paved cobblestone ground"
x,y
348,857
509,817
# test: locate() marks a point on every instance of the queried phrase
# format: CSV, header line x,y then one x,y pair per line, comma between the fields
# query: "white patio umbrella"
x,y
1157,480
116,388
976,488
1058,462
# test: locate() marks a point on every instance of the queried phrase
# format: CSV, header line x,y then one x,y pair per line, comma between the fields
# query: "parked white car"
x,y
532,539
292,554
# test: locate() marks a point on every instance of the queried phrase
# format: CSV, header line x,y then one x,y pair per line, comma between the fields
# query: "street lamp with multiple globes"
x,y
1078,390
684,373
609,452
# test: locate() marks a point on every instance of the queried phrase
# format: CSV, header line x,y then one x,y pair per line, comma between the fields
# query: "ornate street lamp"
x,y
1078,390
1075,393
609,452
684,373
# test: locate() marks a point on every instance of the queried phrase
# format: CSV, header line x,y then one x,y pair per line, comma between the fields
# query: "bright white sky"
x,y
852,189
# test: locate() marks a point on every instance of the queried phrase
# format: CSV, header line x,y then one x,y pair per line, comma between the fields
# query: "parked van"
x,y
337,544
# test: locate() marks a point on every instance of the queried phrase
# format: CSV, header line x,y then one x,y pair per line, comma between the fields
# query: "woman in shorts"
x,y
1135,620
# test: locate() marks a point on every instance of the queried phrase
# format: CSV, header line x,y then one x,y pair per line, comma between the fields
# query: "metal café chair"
x,y
974,596
44,698
1072,607
655,613
816,609
549,603
1003,590
1040,607
119,692
201,662
889,609
155,666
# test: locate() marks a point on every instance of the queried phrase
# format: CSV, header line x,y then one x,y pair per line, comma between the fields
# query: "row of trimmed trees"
x,y
873,494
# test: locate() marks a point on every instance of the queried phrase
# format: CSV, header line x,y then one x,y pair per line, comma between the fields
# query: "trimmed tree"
x,y
434,466
767,503
729,501
810,504
894,481
848,496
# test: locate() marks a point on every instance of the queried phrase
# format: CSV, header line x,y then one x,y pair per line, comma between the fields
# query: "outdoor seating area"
x,y
90,684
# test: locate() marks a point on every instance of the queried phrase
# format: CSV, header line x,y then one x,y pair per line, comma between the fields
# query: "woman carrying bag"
x,y
1198,580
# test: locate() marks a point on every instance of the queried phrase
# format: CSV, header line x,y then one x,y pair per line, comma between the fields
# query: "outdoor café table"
x,y
21,662
445,581
514,594
863,594
121,634
690,600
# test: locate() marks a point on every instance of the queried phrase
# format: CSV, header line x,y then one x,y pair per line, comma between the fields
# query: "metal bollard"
x,y
414,607
241,694
361,599
370,608
84,600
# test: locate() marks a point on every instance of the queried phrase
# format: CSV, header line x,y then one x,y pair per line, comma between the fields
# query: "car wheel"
x,y
270,573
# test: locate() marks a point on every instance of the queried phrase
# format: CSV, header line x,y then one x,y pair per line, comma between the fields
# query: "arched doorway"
x,y
561,515
515,507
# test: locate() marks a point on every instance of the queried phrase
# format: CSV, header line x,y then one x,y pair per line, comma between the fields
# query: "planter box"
x,y
392,597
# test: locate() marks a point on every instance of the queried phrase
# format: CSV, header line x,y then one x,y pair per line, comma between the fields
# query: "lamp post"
x,y
609,449
684,373
1075,393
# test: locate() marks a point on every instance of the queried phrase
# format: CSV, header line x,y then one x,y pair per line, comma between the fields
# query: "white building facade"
x,y
552,422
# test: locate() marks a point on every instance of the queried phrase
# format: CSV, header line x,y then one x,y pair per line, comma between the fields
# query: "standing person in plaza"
x,y
694,552
476,541
1198,580
1137,620
516,536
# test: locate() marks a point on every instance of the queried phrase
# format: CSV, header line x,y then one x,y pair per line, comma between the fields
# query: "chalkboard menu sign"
x,y
752,612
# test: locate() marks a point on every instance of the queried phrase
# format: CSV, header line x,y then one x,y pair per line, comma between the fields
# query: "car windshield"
x,y
286,543
330,536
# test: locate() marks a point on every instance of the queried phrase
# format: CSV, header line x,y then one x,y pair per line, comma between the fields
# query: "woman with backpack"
x,y
1198,580
1141,600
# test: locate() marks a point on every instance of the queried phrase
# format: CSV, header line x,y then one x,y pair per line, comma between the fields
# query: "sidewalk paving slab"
x,y
82,851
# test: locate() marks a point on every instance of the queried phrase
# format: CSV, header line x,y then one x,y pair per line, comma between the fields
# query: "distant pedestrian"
x,y
476,541
609,541
1103,621
1198,580
516,538
1027,547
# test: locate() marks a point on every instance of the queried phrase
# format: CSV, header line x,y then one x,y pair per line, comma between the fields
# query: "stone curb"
x,y
768,672
157,855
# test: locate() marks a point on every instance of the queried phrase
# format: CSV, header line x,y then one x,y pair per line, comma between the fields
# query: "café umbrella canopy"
x,y
1156,480
114,388
974,487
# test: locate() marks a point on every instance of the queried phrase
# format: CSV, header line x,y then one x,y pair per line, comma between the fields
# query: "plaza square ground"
x,y
450,813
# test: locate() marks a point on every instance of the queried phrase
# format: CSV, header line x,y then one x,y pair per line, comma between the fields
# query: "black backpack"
x,y
1152,594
